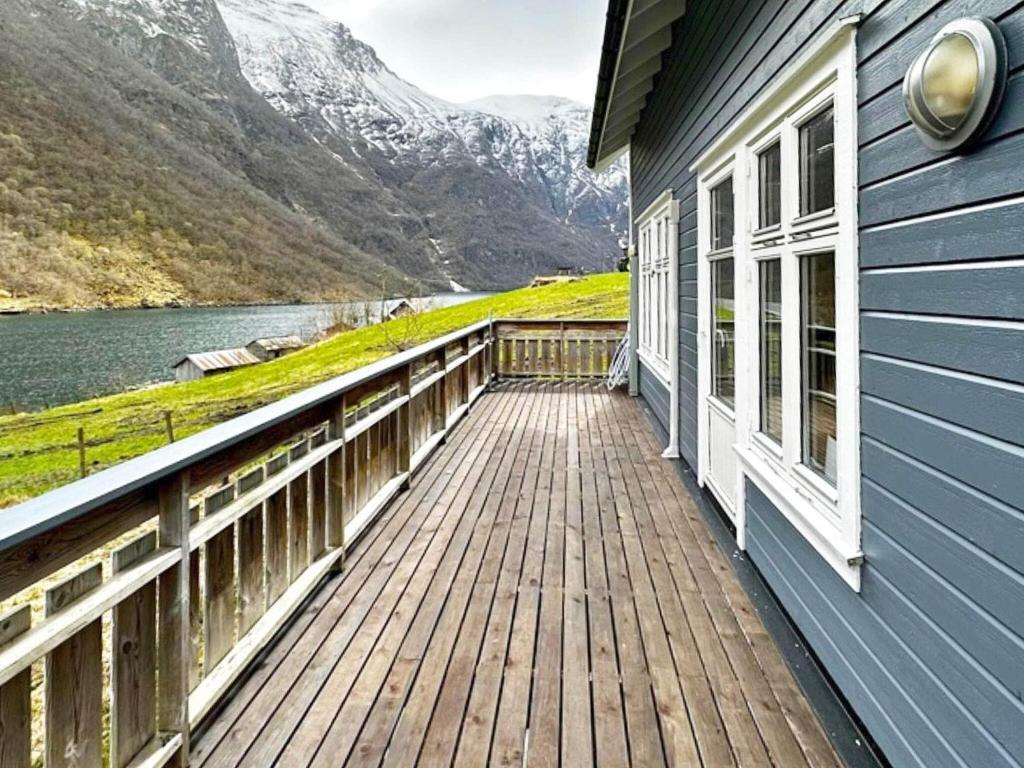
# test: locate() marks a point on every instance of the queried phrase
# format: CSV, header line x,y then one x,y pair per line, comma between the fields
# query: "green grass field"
x,y
38,451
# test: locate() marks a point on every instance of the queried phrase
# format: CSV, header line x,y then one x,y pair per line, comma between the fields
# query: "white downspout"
x,y
672,449
634,296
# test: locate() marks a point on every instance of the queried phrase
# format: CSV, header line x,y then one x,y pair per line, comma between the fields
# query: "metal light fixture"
x,y
953,89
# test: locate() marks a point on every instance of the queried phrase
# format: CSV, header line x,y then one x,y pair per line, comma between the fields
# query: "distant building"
x,y
271,349
203,364
397,308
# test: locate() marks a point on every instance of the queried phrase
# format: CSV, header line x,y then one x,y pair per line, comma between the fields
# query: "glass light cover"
x,y
950,79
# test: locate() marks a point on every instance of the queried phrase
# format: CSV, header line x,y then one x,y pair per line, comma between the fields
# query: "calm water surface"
x,y
61,358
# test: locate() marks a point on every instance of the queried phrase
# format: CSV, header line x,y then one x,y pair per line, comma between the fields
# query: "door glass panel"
x,y
722,218
817,164
769,178
770,313
723,327
818,353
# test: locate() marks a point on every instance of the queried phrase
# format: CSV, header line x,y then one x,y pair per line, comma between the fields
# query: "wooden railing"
x,y
570,349
214,541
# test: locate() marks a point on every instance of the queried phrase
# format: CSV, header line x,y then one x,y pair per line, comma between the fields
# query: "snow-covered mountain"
x,y
269,97
314,71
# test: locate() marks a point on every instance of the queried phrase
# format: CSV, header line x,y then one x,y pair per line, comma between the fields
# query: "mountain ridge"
x,y
358,192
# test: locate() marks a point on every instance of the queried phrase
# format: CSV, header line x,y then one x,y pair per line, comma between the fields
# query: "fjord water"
x,y
51,359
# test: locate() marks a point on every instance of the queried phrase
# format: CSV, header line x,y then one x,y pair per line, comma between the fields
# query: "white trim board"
x,y
658,264
829,517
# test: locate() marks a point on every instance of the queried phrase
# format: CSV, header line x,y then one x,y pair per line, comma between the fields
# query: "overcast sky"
x,y
464,49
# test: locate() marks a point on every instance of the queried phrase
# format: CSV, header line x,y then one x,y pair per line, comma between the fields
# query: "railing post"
x,y
405,424
489,365
464,379
336,482
175,647
561,348
495,354
441,413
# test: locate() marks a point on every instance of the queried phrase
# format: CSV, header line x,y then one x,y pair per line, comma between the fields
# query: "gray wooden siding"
x,y
931,653
656,395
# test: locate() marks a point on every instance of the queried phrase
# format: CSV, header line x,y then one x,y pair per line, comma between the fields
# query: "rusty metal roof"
x,y
221,360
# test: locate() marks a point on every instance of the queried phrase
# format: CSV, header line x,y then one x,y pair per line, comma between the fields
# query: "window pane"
x,y
771,348
722,215
723,337
770,186
818,375
817,164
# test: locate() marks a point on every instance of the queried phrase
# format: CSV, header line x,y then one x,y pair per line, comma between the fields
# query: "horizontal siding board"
x,y
986,349
988,523
655,395
894,17
968,235
958,181
904,151
859,653
913,618
991,407
973,291
990,593
881,115
991,466
891,62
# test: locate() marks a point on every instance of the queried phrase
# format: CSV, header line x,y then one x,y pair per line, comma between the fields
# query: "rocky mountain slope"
x,y
162,151
315,72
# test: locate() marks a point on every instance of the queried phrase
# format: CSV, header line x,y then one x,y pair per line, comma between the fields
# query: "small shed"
x,y
203,364
398,308
273,348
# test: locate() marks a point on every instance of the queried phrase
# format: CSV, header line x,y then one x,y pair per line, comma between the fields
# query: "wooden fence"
x,y
567,350
234,528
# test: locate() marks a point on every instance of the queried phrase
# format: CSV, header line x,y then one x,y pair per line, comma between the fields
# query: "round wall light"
x,y
953,89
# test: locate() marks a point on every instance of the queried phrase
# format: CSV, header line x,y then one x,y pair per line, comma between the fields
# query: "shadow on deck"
x,y
546,592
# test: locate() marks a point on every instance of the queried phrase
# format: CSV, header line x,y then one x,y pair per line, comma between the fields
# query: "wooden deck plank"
x,y
546,593
546,725
610,744
770,690
674,711
510,734
320,693
767,719
439,700
577,729
643,729
692,640
376,698
246,715
478,729
433,643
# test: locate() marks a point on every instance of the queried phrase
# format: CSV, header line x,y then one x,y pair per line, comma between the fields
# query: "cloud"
x,y
465,49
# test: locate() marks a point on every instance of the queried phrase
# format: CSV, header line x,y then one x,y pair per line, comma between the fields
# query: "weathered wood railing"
x,y
214,541
569,349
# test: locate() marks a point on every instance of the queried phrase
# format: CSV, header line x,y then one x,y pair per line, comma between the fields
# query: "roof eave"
x,y
637,33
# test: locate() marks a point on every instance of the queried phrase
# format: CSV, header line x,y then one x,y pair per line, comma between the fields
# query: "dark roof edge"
x,y
615,22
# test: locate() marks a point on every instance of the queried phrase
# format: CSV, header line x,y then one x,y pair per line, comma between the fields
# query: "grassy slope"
x,y
39,451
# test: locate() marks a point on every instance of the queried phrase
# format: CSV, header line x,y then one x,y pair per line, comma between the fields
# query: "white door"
x,y
721,400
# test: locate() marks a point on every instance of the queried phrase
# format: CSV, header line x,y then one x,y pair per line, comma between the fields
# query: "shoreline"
x,y
7,310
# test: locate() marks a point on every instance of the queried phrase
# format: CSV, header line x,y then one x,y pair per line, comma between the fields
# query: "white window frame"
x,y
657,258
829,517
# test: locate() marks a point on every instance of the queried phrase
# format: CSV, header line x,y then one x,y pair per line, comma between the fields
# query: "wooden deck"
x,y
546,592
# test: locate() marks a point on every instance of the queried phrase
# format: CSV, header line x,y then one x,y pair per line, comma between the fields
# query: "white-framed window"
x,y
657,243
794,258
